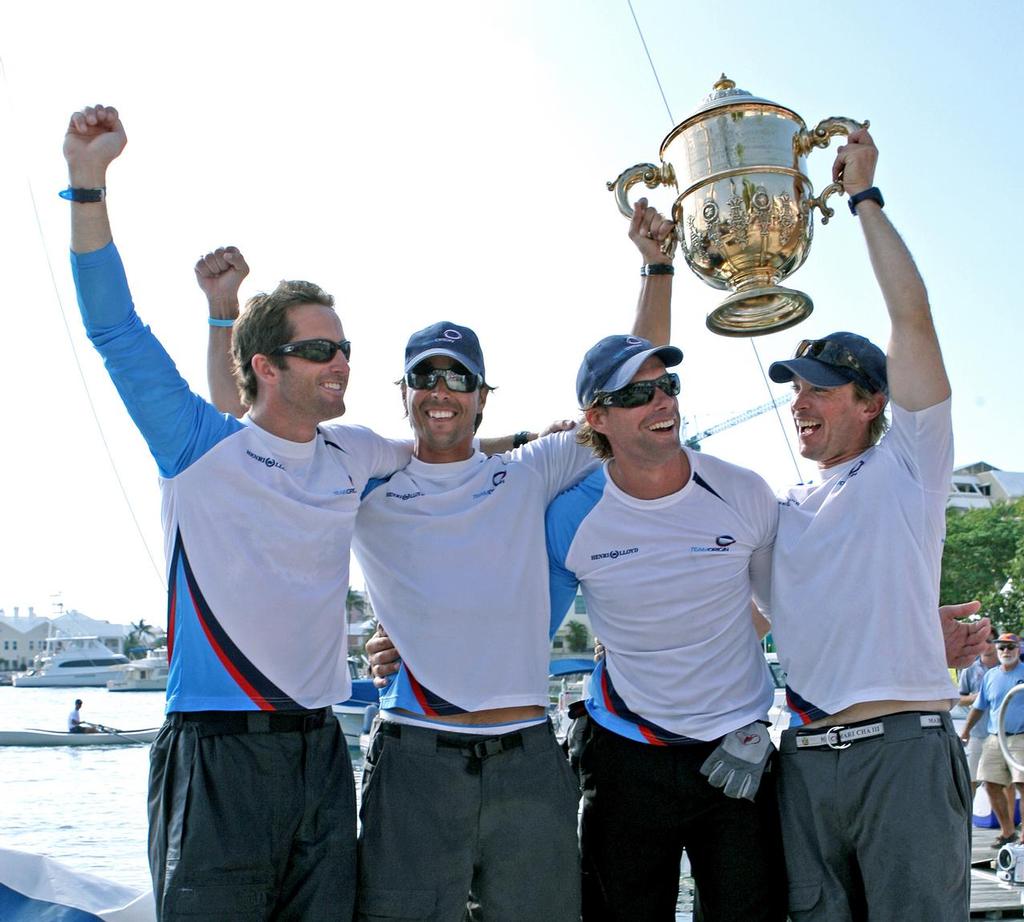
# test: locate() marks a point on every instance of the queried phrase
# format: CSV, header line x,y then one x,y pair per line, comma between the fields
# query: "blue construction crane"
x,y
694,440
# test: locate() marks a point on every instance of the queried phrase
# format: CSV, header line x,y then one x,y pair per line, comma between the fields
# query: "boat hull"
x,y
32,737
97,679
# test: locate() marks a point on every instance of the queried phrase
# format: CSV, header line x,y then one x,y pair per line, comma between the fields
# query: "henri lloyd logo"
x,y
450,335
496,481
615,555
722,543
269,462
390,494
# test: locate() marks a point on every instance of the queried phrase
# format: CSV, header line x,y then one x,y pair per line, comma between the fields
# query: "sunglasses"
x,y
1007,646
426,380
315,350
833,353
639,392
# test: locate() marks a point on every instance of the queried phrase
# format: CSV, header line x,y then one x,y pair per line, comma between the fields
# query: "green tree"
x,y
577,636
984,547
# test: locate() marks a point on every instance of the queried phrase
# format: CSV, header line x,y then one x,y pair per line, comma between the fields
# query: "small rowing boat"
x,y
104,737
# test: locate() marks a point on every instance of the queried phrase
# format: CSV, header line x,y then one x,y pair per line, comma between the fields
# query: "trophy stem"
x,y
757,311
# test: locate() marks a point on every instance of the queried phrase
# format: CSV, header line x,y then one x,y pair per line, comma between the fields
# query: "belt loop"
x,y
257,722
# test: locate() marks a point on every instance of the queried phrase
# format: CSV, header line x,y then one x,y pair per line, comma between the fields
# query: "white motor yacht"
x,y
146,674
72,662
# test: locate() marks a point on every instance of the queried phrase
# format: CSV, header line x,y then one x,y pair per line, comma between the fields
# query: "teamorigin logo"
x,y
722,543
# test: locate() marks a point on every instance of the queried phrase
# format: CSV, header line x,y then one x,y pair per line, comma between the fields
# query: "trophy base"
x,y
757,311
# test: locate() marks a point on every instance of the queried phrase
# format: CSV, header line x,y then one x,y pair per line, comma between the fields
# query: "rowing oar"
x,y
118,733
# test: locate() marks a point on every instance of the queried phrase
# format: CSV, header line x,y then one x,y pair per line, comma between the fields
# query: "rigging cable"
x,y
753,345
74,353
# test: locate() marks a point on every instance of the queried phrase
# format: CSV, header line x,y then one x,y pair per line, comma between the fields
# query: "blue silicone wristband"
x,y
217,322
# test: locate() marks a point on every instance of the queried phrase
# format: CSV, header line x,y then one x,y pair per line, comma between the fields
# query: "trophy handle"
x,y
651,176
820,135
647,173
819,201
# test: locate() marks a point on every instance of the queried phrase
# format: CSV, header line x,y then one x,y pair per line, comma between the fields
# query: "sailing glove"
x,y
739,761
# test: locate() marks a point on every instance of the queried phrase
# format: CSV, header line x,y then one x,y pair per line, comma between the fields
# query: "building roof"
x,y
23,623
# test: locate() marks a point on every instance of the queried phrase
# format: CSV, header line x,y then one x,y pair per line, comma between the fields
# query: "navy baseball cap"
x,y
610,364
838,359
445,338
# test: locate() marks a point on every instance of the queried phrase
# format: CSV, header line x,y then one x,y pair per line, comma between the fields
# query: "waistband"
x,y
426,740
235,723
890,728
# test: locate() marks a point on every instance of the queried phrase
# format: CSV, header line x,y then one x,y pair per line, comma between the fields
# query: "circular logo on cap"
x,y
452,334
633,341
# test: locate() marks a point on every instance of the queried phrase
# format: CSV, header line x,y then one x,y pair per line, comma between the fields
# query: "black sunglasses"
x,y
1007,646
639,392
833,353
463,382
315,350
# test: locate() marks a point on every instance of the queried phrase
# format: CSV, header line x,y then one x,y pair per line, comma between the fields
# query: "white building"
x,y
21,638
979,485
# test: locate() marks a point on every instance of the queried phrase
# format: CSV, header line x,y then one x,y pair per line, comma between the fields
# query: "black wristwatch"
x,y
872,194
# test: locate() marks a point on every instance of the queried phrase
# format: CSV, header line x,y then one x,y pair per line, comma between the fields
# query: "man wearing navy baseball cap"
x,y
467,797
876,768
668,546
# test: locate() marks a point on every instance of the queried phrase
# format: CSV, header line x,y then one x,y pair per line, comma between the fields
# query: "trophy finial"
x,y
724,83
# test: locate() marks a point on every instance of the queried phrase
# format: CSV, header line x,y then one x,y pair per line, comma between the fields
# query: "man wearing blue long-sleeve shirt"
x,y
251,801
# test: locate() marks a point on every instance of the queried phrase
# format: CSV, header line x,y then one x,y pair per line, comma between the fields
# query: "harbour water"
x,y
86,806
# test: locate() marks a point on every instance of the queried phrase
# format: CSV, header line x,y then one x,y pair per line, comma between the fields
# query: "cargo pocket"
x,y
802,899
233,897
394,904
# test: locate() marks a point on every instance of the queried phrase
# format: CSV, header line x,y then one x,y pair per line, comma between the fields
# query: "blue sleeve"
x,y
179,426
561,523
562,584
981,702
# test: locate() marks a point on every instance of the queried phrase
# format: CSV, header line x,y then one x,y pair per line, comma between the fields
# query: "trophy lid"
x,y
725,93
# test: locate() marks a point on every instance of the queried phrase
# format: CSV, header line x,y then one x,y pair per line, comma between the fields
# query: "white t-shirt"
x,y
668,584
74,718
855,582
456,570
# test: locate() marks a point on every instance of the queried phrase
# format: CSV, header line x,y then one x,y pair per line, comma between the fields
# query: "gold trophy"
x,y
743,212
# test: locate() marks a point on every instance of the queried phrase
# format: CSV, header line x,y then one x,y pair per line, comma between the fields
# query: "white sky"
x,y
447,161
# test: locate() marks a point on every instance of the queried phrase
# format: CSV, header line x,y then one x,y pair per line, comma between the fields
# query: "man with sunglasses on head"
x,y
251,796
469,807
668,547
876,770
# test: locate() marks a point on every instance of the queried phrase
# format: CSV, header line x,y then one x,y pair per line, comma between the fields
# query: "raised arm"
x,y
917,376
648,230
94,139
219,275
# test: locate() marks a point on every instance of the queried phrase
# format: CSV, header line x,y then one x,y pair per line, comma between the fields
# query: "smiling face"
x,y
1009,655
648,434
444,421
296,394
833,424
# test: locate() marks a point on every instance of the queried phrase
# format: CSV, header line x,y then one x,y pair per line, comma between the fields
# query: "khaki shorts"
x,y
993,767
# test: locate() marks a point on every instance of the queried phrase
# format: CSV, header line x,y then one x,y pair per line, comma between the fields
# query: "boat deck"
x,y
990,897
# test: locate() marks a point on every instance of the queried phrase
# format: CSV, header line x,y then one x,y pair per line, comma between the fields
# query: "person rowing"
x,y
75,722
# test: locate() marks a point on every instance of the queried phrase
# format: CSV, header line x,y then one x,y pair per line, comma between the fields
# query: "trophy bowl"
x,y
743,211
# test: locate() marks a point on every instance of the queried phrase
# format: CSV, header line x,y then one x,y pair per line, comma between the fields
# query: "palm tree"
x,y
138,635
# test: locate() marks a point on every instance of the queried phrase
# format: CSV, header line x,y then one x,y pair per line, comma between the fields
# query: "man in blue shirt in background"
x,y
993,769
